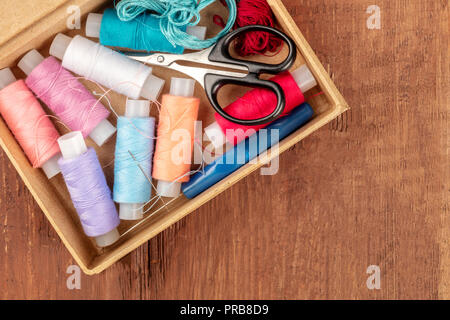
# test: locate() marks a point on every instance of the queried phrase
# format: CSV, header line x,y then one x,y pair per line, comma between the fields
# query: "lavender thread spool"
x,y
88,189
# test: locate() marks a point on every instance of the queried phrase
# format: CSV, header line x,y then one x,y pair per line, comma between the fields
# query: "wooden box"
x,y
27,25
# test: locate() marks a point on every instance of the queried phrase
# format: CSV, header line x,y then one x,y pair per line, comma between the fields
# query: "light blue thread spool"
x,y
142,33
135,138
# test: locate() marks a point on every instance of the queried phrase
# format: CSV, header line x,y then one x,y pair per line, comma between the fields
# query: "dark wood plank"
x,y
370,188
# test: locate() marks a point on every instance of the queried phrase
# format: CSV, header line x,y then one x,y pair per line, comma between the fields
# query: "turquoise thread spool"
x,y
142,33
133,159
175,13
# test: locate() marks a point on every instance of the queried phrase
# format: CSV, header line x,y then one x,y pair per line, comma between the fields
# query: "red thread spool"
x,y
258,103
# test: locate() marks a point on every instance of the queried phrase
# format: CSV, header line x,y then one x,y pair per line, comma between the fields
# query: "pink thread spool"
x,y
28,122
66,97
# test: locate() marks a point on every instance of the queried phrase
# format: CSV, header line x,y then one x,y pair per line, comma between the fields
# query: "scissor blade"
x,y
167,59
157,59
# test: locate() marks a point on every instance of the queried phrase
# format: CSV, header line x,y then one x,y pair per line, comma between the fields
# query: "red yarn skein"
x,y
258,103
251,12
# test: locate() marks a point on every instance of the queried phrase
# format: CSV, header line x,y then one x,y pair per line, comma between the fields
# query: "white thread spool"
x,y
106,67
72,146
181,87
305,81
50,167
94,22
134,109
102,132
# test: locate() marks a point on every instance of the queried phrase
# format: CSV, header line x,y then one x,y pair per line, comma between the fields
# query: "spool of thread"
x,y
88,189
173,15
66,97
26,119
257,103
231,161
133,159
175,138
142,33
106,67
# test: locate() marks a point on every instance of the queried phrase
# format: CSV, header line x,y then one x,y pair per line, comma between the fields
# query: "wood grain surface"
x,y
371,188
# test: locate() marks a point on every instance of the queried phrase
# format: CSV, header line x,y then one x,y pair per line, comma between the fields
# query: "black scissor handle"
x,y
214,82
220,53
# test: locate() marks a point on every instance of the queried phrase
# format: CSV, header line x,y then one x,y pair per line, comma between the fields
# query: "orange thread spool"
x,y
28,122
177,118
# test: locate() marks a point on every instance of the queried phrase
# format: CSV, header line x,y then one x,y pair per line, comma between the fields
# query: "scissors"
x,y
248,73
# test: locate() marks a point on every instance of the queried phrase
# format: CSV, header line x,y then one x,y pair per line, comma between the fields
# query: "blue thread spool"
x,y
133,159
245,151
142,33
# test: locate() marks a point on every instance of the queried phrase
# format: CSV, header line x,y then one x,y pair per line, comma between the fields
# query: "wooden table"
x,y
371,188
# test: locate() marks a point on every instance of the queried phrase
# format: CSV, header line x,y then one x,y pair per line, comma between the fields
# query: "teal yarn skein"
x,y
135,138
141,33
175,14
